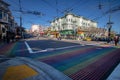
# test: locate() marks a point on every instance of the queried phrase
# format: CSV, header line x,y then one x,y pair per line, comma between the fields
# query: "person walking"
x,y
8,36
116,40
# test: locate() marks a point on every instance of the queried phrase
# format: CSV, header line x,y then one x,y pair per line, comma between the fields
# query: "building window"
x,y
63,27
69,20
5,17
66,20
3,30
0,14
88,24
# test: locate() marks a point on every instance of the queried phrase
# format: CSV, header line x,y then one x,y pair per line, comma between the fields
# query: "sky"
x,y
56,8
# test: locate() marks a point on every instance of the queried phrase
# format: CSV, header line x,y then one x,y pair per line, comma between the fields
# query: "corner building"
x,y
71,22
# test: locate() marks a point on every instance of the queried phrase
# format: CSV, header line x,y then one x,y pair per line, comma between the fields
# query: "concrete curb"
x,y
42,71
115,75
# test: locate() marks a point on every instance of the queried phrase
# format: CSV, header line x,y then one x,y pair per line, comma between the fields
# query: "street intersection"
x,y
78,60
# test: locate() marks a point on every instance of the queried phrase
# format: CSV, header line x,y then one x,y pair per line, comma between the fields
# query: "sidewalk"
x,y
21,68
5,48
1,43
115,75
96,43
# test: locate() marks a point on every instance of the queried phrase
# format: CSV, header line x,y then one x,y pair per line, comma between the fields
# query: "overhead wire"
x,y
57,7
53,7
23,10
80,5
106,12
50,5
71,7
74,5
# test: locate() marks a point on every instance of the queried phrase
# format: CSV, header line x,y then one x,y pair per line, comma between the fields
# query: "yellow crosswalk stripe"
x,y
19,72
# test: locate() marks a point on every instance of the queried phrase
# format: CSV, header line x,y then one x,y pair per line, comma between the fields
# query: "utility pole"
x,y
109,28
100,5
109,24
20,10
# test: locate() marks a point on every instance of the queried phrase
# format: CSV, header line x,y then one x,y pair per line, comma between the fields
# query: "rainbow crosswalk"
x,y
84,63
88,62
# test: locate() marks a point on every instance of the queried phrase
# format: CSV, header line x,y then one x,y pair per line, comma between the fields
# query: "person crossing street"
x,y
116,40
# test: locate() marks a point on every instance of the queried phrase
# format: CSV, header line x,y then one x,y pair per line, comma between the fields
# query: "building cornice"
x,y
73,16
3,2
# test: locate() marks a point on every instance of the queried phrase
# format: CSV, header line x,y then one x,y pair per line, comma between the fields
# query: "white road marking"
x,y
82,44
66,47
28,47
48,49
51,49
92,44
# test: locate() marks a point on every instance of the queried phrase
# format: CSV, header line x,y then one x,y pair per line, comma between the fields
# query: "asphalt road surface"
x,y
84,62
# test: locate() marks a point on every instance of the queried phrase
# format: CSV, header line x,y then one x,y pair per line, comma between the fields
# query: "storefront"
x,y
55,34
3,29
69,34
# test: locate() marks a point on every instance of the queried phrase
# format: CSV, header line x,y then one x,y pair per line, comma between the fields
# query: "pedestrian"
x,y
8,34
13,36
38,36
116,40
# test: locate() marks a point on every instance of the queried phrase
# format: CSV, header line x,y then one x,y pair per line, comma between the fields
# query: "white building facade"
x,y
37,29
71,22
